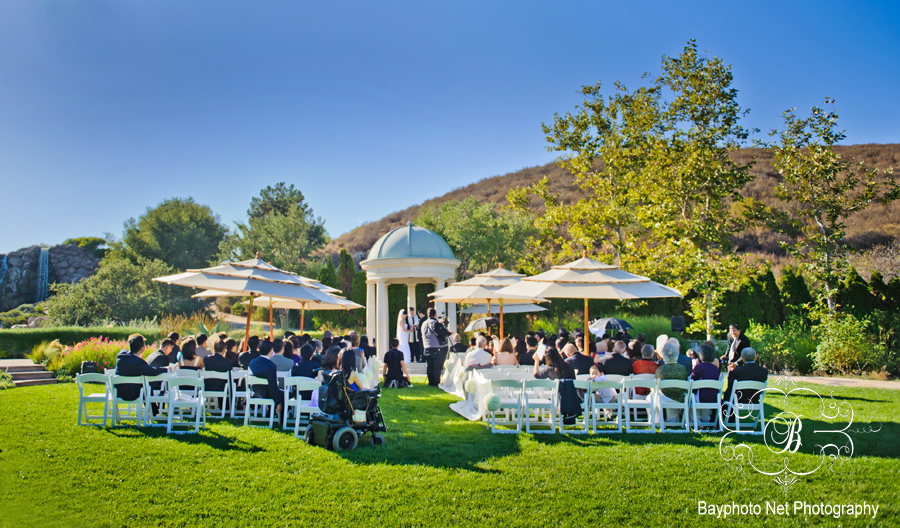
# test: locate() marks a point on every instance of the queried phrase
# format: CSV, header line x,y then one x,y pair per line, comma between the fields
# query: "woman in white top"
x,y
403,335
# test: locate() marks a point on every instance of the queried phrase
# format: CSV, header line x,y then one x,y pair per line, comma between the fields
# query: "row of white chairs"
x,y
534,405
182,399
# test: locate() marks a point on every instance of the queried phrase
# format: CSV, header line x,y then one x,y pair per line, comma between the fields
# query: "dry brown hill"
x,y
877,225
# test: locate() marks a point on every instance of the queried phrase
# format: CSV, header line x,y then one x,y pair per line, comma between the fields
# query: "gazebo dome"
x,y
410,241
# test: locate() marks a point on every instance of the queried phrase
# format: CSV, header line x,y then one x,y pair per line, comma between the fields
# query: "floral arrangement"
x,y
100,349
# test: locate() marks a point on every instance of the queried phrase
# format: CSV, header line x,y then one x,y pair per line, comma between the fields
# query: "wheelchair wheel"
x,y
345,439
377,439
308,435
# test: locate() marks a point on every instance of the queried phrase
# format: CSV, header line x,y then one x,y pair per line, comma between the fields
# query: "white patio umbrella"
x,y
511,308
252,277
483,288
588,279
339,303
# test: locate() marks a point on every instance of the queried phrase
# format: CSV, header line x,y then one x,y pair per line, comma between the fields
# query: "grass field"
x,y
436,469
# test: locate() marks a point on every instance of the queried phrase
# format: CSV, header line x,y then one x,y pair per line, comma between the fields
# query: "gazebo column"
x,y
439,284
451,316
382,335
371,311
411,296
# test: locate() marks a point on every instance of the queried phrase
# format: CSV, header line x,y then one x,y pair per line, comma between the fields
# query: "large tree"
x,y
823,189
178,231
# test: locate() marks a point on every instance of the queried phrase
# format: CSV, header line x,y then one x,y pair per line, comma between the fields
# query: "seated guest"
x,y
394,369
602,350
347,366
282,363
561,343
289,352
318,347
245,357
554,367
188,359
646,365
360,355
202,351
330,358
230,354
616,363
670,369
581,360
504,354
683,360
478,357
369,351
306,368
173,354
603,395
525,350
288,335
458,347
706,370
160,358
326,340
263,367
217,363
748,371
130,363
568,351
471,344
634,350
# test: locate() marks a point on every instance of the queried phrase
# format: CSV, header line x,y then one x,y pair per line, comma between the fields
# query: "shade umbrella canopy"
x,y
586,279
482,324
290,304
608,323
512,308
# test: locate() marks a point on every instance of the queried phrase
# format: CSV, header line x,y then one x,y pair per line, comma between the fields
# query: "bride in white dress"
x,y
403,335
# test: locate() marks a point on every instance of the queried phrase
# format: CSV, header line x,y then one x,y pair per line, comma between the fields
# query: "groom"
x,y
415,336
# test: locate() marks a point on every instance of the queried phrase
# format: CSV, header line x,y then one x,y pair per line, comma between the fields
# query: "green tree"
x,y
121,290
854,296
327,275
346,271
794,292
481,237
91,244
178,231
823,188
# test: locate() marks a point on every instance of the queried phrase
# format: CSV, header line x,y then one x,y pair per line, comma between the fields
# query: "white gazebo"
x,y
406,255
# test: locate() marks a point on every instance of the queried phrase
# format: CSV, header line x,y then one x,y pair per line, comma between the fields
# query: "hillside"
x,y
877,225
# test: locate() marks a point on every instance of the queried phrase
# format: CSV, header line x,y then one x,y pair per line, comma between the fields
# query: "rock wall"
x,y
66,264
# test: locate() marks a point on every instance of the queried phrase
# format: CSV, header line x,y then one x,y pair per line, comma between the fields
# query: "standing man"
x,y
415,335
434,338
737,342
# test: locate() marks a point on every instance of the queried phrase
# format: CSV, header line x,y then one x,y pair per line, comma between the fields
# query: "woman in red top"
x,y
646,365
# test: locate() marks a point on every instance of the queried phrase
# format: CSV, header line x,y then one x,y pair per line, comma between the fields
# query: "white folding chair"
x,y
599,408
185,394
159,398
282,375
739,411
84,398
714,407
303,408
540,396
510,393
582,425
214,397
134,409
663,403
251,404
632,402
236,377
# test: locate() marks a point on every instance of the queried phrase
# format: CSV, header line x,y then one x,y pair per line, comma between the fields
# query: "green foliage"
x,y
44,351
18,315
178,231
6,381
853,296
848,344
120,290
481,237
794,292
756,299
19,341
790,346
100,349
327,274
823,188
91,244
281,227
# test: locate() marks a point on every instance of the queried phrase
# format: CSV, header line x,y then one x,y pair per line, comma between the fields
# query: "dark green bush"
x,y
790,346
19,315
17,342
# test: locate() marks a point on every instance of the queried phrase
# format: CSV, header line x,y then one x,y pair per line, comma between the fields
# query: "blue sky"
x,y
109,107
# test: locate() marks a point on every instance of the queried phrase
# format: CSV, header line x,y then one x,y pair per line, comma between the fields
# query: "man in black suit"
x,y
749,371
160,358
264,367
581,361
130,363
244,358
217,363
173,354
616,363
737,342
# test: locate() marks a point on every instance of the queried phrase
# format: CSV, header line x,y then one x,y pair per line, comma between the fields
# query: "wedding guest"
x,y
307,366
188,359
634,350
230,354
525,351
263,367
671,369
244,358
202,351
568,351
130,363
347,366
173,354
282,363
160,358
217,363
458,347
683,360
706,370
369,351
603,395
394,369
318,347
478,357
616,363
580,360
504,354
646,365
330,358
554,367
748,371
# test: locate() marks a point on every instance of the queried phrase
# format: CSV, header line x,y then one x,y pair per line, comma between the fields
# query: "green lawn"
x,y
436,469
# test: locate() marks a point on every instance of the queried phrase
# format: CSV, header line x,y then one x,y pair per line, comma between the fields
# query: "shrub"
x,y
17,316
100,349
6,381
44,351
17,342
847,344
790,346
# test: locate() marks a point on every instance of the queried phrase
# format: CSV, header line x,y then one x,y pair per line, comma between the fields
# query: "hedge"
x,y
16,342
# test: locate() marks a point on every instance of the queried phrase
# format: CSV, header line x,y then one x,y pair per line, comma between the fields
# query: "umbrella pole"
x,y
271,328
302,317
247,333
502,335
586,325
